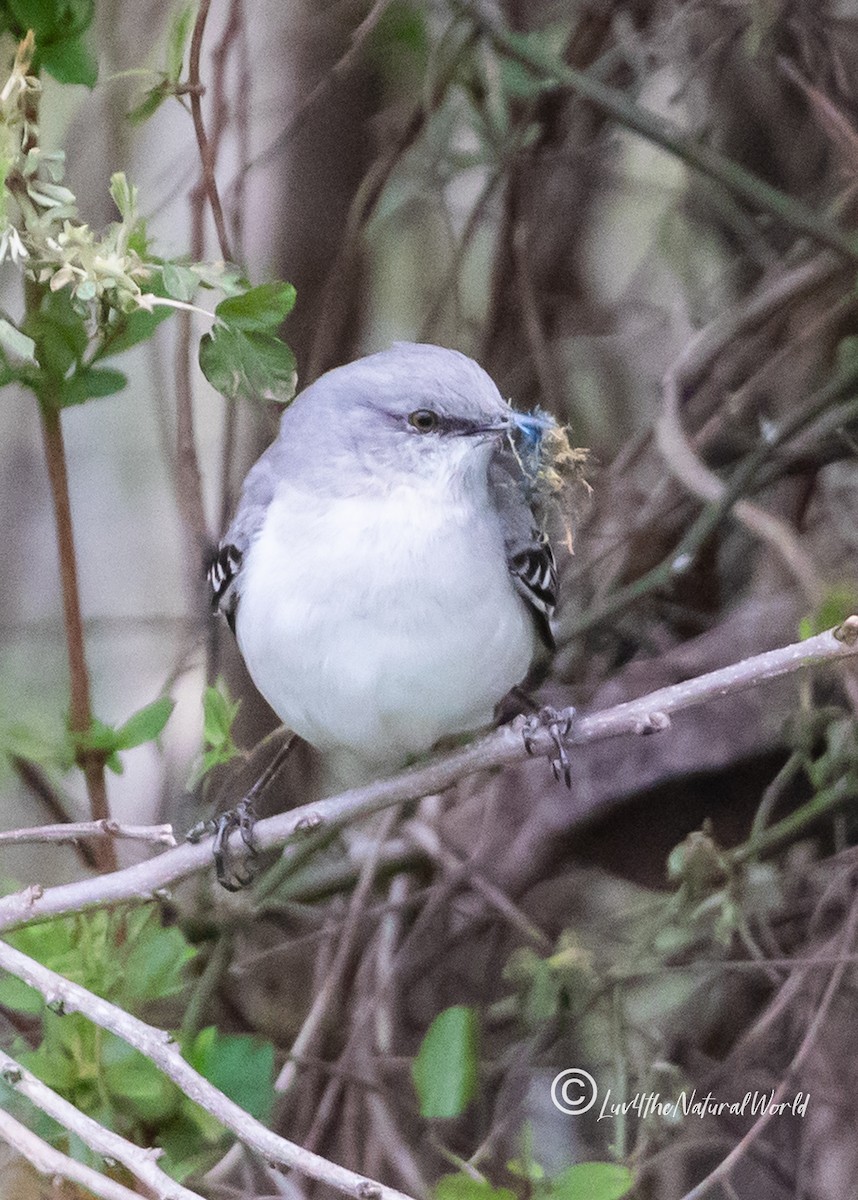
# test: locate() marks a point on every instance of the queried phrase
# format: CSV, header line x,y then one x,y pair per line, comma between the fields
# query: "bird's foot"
x,y
233,872
559,725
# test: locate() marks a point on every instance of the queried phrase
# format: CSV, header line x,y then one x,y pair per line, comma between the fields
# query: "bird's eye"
x,y
424,420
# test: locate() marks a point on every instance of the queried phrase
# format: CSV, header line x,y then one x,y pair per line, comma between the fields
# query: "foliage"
x,y
583,1181
219,713
130,958
445,1069
91,297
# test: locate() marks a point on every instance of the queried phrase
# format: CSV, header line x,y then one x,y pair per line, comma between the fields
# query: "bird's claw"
x,y
233,873
559,725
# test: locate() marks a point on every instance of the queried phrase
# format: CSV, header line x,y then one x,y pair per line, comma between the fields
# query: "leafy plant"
x,y
130,958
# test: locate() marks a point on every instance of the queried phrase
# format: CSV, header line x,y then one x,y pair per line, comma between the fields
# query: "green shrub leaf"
x,y
445,1070
261,309
144,725
591,1181
248,366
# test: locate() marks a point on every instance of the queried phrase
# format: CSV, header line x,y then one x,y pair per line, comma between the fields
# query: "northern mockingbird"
x,y
384,574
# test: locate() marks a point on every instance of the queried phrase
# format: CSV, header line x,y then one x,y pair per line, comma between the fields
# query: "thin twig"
x,y
501,747
687,466
364,201
159,1047
662,132
71,832
56,1165
295,120
206,150
311,1029
739,1151
138,1160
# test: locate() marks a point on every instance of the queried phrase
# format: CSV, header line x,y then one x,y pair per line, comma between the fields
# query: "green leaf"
x,y
39,15
19,996
155,964
177,39
90,383
179,282
445,1070
240,1065
463,1187
248,366
131,329
149,105
59,333
144,725
185,1151
219,713
261,309
70,61
839,602
137,1083
15,343
591,1181
124,196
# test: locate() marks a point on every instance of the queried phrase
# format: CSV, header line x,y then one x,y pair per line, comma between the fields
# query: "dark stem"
x,y
80,710
206,150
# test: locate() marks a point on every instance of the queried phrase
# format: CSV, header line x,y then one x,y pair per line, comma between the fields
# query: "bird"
x,y
385,574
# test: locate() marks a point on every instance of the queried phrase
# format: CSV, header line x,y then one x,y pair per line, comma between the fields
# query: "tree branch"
x,y
206,151
80,711
138,1160
501,747
735,178
57,1165
72,831
159,1047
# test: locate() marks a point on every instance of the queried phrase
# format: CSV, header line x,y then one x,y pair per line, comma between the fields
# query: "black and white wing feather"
x,y
534,574
528,551
222,575
225,569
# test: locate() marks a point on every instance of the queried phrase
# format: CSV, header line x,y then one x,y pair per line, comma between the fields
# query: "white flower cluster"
x,y
39,226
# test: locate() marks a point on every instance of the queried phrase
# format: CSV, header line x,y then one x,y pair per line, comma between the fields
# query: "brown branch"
x,y
160,1049
80,710
681,457
722,1171
501,747
206,150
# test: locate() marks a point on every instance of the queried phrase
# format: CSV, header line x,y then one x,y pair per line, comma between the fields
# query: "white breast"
x,y
375,625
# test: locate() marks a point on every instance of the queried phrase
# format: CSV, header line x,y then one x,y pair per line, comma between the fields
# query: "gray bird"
x,y
384,574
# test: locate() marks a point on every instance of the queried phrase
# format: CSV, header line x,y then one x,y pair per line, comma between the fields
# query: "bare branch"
x,y
139,1161
80,707
206,150
55,1164
722,1171
73,830
159,1047
501,747
677,450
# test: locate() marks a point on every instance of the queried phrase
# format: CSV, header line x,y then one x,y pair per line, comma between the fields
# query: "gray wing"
x,y
528,552
224,570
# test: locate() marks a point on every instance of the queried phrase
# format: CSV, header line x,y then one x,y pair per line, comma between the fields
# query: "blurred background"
x,y
637,215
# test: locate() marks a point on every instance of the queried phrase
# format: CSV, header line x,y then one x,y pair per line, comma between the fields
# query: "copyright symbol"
x,y
574,1091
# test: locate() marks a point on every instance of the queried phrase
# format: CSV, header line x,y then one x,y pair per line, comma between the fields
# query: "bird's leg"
x,y
232,874
559,725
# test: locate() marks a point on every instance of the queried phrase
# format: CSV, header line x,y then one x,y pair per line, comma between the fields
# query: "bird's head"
x,y
414,410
